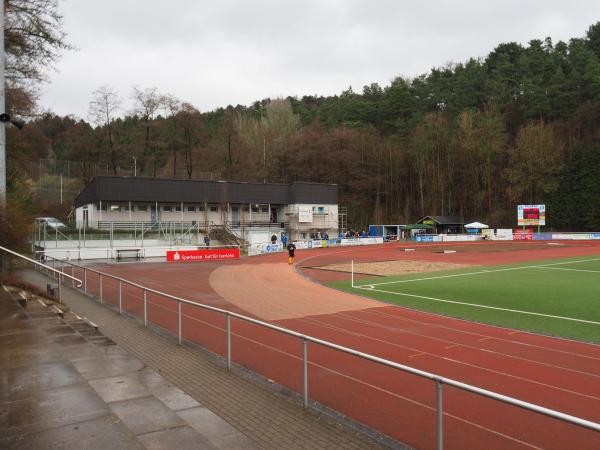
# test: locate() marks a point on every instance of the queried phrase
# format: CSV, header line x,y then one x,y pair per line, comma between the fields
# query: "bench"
x,y
137,252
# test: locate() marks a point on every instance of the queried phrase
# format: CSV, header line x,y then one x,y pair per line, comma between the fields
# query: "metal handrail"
x,y
439,380
59,273
52,269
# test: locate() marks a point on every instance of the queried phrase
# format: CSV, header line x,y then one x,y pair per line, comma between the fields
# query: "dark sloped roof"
x,y
141,189
444,220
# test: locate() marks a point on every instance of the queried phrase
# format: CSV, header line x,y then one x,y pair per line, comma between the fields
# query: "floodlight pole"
x,y
2,111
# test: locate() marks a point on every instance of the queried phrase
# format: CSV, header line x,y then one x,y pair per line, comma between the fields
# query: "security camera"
x,y
5,118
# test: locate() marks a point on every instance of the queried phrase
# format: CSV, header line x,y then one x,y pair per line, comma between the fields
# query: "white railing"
x,y
439,381
57,273
112,252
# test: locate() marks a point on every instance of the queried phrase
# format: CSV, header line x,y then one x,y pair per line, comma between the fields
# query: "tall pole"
x,y
2,110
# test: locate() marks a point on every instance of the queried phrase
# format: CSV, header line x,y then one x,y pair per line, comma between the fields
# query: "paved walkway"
x,y
266,418
65,385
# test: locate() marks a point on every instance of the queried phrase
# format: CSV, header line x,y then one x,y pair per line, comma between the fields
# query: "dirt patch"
x,y
277,292
391,268
491,247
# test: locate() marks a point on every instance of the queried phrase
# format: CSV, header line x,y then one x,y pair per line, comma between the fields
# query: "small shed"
x,y
444,224
396,231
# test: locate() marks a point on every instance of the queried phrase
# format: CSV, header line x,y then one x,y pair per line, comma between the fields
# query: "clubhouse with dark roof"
x,y
302,207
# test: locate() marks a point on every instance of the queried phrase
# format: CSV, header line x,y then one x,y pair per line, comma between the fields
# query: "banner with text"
x,y
203,255
522,235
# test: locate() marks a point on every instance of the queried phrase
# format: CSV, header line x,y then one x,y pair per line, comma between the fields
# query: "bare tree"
x,y
193,134
103,107
146,103
173,106
33,39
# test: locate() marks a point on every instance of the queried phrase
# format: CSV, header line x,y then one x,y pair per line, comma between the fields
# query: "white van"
x,y
51,222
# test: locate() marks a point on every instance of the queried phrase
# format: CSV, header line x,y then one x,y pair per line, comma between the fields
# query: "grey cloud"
x,y
216,53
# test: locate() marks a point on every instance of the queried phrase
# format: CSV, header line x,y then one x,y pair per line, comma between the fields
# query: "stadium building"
x,y
299,208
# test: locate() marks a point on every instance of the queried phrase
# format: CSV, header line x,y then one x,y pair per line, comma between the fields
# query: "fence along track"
x,y
438,380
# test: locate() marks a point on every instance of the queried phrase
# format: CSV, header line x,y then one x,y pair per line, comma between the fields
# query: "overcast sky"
x,y
220,52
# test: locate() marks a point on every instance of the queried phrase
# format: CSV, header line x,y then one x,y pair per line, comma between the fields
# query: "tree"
x,y
103,107
534,163
33,41
192,128
173,107
278,125
146,104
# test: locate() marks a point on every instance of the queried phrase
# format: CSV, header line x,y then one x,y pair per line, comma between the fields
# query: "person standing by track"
x,y
291,248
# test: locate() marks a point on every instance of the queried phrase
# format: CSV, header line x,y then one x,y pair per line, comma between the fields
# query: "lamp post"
x,y
2,111
134,166
4,117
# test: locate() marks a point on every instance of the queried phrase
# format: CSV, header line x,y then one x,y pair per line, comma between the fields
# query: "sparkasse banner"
x,y
217,254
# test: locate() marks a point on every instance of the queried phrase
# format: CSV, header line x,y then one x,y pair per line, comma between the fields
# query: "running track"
x,y
555,373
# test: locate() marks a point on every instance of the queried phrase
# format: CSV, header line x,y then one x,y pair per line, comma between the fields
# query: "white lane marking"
x,y
563,268
452,360
365,383
465,345
482,272
475,305
498,338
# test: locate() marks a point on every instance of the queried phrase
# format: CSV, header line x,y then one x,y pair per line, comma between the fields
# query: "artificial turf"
x,y
550,290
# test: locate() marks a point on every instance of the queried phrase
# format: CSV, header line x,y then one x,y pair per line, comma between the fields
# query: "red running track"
x,y
555,373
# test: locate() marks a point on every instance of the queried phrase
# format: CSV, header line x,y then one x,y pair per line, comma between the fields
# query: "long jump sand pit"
x,y
391,268
277,292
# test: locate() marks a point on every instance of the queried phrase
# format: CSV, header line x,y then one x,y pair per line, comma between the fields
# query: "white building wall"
x,y
324,218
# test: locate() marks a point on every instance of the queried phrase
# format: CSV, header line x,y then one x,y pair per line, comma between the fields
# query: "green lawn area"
x,y
568,289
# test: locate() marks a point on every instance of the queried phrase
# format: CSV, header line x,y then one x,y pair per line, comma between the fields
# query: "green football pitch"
x,y
557,297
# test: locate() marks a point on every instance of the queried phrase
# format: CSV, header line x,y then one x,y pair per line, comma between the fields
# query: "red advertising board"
x,y
217,254
522,235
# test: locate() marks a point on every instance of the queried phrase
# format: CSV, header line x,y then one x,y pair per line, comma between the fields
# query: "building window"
x,y
214,209
245,209
264,209
255,209
167,208
178,208
115,207
191,209
103,207
142,208
234,209
201,208
319,210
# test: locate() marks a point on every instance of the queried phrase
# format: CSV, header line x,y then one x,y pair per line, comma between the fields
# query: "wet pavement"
x,y
63,385
228,409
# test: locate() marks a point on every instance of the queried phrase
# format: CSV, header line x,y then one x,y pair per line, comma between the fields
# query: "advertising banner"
x,y
532,215
504,234
522,235
362,241
456,237
424,238
217,254
305,214
317,243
